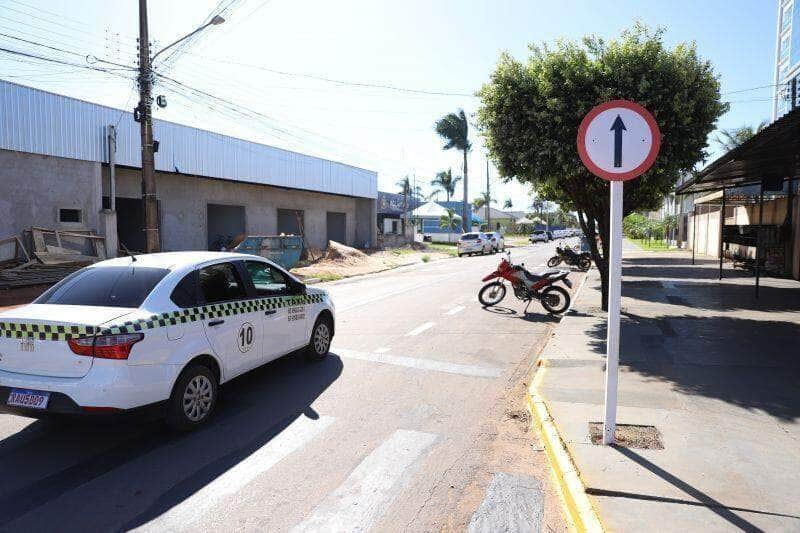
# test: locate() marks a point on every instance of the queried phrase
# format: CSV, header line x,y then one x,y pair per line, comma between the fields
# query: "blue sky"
x,y
437,45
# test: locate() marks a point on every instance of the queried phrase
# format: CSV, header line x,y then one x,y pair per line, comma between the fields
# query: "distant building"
x,y
787,58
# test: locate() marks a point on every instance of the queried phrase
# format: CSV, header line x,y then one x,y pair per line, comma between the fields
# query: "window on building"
x,y
786,17
785,48
70,215
290,221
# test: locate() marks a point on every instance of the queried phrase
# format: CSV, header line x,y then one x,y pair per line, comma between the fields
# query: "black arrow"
x,y
617,127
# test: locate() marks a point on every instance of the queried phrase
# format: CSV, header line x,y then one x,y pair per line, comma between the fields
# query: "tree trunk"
x,y
589,224
465,220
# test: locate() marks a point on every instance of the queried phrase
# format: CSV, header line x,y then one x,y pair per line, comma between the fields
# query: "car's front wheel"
x,y
321,336
193,398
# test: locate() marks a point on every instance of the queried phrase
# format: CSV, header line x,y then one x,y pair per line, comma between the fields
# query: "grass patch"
x,y
652,245
328,276
404,251
426,258
445,248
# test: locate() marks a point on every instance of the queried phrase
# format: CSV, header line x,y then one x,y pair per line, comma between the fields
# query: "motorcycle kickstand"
x,y
525,312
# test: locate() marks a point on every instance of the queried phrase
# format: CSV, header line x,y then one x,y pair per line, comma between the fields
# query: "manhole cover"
x,y
629,436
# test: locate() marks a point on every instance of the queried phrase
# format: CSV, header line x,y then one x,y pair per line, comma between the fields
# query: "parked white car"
x,y
539,235
475,242
159,331
497,240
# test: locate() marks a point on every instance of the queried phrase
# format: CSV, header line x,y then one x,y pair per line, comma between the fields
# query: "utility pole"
x,y
145,112
488,199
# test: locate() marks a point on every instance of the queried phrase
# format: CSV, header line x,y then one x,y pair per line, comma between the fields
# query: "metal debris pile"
x,y
42,256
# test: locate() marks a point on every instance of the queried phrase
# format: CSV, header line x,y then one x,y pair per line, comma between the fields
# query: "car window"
x,y
185,292
469,236
267,280
113,286
220,283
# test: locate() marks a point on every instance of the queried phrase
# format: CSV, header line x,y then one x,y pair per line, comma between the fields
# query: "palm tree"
x,y
406,189
454,129
445,181
730,139
449,220
483,200
508,204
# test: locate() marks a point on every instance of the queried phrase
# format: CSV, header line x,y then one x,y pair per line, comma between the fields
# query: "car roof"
x,y
173,260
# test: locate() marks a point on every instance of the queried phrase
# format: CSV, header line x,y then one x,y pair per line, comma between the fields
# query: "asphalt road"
x,y
393,431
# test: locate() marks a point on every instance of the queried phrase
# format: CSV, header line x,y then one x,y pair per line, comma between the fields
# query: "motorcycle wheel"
x,y
584,263
492,294
555,300
554,261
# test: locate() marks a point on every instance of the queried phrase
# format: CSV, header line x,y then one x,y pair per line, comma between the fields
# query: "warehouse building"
x,y
55,171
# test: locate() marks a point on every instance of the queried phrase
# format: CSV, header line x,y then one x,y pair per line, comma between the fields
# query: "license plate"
x,y
33,399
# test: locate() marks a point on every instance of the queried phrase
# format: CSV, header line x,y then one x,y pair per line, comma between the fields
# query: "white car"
x,y
159,331
539,235
497,240
475,242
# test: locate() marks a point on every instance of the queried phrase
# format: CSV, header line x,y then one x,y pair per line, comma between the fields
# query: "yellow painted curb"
x,y
579,509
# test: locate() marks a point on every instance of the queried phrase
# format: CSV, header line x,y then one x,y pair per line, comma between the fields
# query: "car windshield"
x,y
469,237
539,232
116,286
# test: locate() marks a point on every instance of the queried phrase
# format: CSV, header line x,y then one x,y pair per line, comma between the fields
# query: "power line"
x,y
60,62
96,59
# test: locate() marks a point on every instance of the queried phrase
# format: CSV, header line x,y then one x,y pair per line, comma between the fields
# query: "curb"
x,y
573,492
580,512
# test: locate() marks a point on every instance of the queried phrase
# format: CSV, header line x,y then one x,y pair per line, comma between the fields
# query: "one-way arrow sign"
x,y
618,140
618,127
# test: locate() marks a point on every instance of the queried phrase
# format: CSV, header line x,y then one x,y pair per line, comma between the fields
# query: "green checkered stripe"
x,y
51,332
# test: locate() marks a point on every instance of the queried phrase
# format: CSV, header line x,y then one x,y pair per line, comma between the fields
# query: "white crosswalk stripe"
x,y
419,363
295,436
365,496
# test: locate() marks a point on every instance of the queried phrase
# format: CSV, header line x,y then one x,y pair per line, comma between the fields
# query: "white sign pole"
x,y
614,297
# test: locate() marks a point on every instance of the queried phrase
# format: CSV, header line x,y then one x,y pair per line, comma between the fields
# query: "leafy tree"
x,y
730,139
446,182
508,204
454,129
530,113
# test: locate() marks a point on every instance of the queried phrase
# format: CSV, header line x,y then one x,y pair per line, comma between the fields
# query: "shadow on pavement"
x,y
49,460
528,317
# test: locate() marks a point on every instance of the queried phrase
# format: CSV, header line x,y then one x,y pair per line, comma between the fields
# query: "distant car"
x,y
497,240
475,242
550,236
539,236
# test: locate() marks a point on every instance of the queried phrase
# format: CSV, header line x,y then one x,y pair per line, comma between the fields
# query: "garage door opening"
x,y
290,221
337,227
224,222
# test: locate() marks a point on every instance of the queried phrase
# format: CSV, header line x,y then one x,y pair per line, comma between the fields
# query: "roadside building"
x,y
54,165
746,207
502,221
787,58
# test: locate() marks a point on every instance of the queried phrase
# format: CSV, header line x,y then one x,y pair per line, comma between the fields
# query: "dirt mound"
x,y
341,253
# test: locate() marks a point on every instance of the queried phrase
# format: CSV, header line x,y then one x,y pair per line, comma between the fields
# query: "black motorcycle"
x,y
568,256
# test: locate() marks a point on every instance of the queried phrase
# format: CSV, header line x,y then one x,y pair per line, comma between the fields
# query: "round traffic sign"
x,y
618,140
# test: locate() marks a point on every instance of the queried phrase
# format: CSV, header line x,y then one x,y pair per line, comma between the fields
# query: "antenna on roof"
x,y
125,248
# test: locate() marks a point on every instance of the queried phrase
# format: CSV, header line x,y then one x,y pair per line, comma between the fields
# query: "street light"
x,y
216,21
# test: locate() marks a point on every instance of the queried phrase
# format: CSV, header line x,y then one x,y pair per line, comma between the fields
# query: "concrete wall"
x,y
184,201
35,187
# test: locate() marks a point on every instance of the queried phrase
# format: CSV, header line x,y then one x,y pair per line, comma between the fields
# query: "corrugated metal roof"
x,y
40,122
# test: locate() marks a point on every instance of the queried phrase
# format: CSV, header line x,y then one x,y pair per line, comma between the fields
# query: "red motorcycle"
x,y
527,287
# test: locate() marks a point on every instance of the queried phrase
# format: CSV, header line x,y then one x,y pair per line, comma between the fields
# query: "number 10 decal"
x,y
245,337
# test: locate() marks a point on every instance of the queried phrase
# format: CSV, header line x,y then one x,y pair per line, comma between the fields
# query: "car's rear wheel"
x,y
193,398
320,343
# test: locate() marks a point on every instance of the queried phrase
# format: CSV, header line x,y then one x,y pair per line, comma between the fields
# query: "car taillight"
x,y
478,241
106,346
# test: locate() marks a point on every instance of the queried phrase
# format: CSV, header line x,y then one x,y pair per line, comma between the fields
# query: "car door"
x,y
231,321
284,317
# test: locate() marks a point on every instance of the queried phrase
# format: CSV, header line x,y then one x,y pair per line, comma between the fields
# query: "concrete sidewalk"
x,y
714,370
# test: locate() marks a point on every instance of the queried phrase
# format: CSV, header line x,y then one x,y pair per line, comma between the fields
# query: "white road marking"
x,y
365,496
422,364
419,329
455,310
382,349
370,300
295,436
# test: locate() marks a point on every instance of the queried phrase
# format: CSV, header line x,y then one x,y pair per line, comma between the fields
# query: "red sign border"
x,y
619,176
